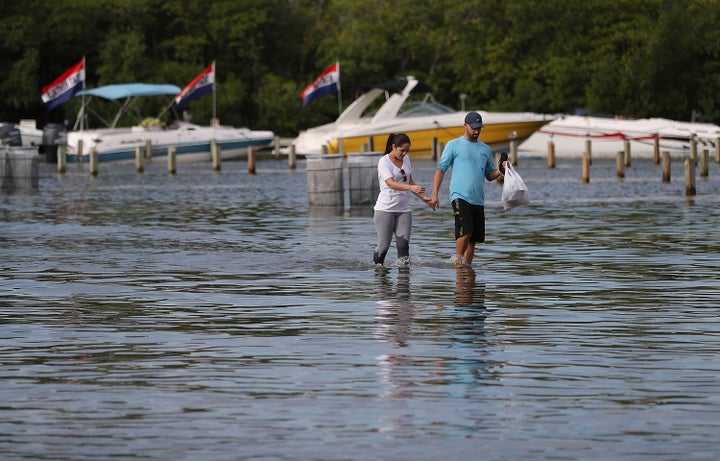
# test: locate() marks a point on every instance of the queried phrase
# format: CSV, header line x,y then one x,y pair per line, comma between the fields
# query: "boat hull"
x,y
608,136
497,136
192,143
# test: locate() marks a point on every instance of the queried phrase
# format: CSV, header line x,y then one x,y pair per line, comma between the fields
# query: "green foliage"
x,y
657,58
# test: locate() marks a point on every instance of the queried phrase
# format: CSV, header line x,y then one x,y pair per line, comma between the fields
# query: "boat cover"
x,y
124,90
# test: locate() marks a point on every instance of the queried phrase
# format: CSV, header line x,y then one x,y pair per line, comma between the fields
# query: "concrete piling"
x,y
19,169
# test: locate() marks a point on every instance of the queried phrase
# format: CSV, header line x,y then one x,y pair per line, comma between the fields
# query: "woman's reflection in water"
x,y
395,309
435,345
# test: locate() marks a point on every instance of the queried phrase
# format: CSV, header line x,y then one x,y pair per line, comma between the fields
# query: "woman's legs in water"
x,y
388,224
403,226
384,225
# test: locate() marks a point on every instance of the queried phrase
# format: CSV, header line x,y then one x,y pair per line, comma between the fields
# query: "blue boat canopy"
x,y
125,90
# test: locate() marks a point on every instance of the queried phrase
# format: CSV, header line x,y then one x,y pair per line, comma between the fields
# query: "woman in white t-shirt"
x,y
392,214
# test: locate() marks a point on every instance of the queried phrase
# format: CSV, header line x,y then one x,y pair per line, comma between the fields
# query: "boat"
x,y
608,135
25,134
191,142
360,127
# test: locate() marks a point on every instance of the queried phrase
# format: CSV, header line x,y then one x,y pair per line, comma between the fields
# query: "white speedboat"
x,y
191,142
422,119
607,136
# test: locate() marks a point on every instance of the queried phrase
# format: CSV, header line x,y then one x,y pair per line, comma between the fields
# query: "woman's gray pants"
x,y
387,224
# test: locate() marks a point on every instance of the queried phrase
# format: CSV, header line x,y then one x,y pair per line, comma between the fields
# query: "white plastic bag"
x,y
515,192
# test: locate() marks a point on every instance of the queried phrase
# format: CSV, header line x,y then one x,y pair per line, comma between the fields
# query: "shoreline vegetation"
x,y
646,58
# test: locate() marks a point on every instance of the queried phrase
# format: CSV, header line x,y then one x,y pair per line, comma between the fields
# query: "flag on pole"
x,y
65,86
328,82
202,84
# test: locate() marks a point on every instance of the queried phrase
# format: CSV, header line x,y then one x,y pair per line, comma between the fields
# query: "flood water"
x,y
217,316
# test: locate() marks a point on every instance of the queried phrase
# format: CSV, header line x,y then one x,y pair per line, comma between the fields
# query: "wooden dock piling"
x,y
551,155
693,150
148,151
172,160
215,155
139,159
585,168
79,151
62,159
666,166
704,163
656,149
620,165
251,160
690,188
292,162
628,154
588,148
93,162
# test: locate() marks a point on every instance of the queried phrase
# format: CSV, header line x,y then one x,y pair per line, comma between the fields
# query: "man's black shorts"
x,y
469,219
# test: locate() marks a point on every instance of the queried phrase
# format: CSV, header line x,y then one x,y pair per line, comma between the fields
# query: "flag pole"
x,y
339,92
215,121
84,122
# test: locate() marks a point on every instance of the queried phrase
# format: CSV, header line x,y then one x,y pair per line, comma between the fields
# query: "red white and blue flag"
x,y
65,86
328,82
202,84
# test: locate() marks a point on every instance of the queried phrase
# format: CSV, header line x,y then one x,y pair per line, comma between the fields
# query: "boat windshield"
x,y
418,108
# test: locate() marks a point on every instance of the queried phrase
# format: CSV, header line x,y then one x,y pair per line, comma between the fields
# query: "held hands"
x,y
419,191
501,162
430,202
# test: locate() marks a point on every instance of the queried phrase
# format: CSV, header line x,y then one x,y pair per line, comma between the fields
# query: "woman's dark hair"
x,y
397,139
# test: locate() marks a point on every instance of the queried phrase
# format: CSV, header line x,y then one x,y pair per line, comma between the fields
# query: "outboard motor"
x,y
9,135
54,134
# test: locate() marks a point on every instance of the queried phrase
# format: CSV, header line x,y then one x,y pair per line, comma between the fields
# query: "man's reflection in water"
x,y
464,331
467,291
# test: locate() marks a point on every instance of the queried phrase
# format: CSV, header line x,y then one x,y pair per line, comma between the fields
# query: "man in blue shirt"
x,y
471,161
